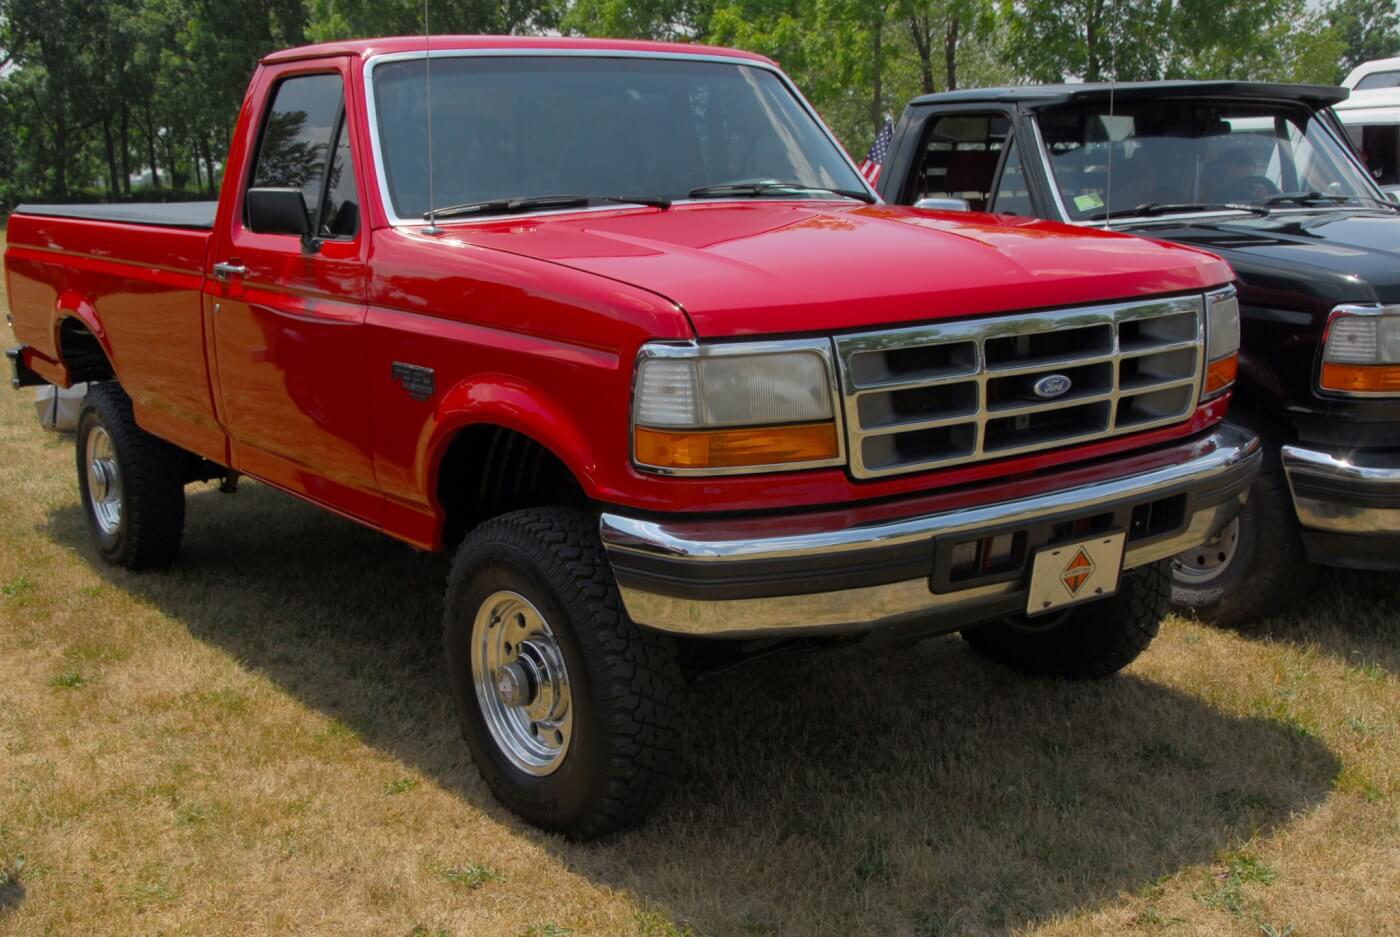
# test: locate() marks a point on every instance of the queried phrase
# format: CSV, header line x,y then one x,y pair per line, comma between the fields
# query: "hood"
x,y
771,267
1330,257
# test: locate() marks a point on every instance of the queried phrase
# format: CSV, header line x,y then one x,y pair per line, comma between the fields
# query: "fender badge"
x,y
1052,385
415,379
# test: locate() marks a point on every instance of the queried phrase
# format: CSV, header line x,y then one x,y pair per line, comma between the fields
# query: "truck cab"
x,y
1264,176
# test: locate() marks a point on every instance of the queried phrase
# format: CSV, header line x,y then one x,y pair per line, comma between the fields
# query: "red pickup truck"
x,y
622,324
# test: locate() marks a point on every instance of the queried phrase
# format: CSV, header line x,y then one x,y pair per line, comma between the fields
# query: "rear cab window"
x,y
960,158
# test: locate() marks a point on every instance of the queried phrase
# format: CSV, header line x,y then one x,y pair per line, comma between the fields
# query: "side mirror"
x,y
278,211
942,204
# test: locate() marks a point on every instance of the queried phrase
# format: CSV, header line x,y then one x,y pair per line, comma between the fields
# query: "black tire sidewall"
x,y
577,786
1236,572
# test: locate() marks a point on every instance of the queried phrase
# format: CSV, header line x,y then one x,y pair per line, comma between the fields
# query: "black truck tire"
x,y
532,590
1257,568
1086,642
131,483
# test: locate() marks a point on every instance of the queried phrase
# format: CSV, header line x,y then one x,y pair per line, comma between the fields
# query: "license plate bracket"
x,y
1066,574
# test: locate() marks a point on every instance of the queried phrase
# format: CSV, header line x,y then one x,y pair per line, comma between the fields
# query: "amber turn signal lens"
x,y
736,448
1221,374
1362,378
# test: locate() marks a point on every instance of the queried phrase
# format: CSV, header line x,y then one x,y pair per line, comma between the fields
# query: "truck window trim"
x,y
381,186
255,154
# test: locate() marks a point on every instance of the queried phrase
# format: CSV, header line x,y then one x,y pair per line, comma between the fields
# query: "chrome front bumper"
x,y
1349,507
861,568
1358,495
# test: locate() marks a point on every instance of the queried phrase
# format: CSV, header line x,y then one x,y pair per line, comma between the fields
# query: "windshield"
x,y
1188,153
523,126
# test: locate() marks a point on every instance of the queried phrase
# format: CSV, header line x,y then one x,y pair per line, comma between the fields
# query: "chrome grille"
x,y
950,393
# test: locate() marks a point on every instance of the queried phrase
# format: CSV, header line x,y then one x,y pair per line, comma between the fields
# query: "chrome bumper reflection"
x,y
1357,495
1226,460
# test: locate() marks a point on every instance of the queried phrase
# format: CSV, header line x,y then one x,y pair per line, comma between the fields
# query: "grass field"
x,y
259,741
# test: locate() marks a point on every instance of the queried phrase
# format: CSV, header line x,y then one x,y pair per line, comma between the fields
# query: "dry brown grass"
x,y
259,742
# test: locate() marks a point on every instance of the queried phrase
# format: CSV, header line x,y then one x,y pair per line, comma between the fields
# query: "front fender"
x,y
507,401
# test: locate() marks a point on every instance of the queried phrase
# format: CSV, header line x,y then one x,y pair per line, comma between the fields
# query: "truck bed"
x,y
134,286
195,215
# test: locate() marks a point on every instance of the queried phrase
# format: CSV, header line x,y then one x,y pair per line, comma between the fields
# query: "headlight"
x,y
1222,341
1361,353
720,409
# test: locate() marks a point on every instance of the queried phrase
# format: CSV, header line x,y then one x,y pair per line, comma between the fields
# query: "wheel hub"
x,y
1208,562
522,684
104,481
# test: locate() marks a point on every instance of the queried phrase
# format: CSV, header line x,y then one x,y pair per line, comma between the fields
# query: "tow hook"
x,y
228,485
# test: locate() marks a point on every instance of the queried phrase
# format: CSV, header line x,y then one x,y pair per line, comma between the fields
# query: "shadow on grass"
x,y
11,895
1350,614
915,791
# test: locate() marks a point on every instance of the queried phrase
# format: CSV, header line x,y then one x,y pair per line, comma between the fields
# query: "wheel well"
x,y
489,470
82,353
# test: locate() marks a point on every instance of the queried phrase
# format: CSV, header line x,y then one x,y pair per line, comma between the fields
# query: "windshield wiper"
x,y
1309,198
759,189
1305,198
509,206
1152,209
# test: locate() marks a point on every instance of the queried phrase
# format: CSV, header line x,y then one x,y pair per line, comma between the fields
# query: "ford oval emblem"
x,y
1052,385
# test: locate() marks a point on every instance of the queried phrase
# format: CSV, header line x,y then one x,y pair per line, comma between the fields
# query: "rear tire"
x,y
131,483
1258,568
570,710
1087,642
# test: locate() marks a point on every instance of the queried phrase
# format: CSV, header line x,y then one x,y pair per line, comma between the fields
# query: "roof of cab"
x,y
364,48
1049,95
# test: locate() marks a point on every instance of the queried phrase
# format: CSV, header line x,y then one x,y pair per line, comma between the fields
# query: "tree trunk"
x,y
150,131
109,150
950,52
1091,41
923,45
877,97
194,160
124,126
60,146
208,164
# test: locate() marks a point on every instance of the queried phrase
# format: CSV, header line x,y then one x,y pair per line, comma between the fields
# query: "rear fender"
x,y
74,305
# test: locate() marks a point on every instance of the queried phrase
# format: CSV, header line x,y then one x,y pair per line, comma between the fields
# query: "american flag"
x,y
879,152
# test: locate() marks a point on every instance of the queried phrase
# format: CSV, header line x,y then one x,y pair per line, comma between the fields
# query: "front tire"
x,y
1257,567
1086,642
130,483
570,710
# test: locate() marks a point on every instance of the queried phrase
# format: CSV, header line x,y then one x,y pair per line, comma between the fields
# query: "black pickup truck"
x,y
1264,176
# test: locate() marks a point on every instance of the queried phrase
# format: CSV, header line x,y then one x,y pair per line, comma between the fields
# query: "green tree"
x,y
343,19
1366,29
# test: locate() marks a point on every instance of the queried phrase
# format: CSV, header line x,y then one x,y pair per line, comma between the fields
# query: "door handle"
x,y
225,270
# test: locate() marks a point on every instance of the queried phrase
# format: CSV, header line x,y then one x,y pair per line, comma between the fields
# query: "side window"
x,y
1012,197
296,147
1379,80
340,213
960,157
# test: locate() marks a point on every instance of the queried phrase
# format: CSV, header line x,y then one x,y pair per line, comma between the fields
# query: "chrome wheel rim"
x,y
522,685
104,481
1207,562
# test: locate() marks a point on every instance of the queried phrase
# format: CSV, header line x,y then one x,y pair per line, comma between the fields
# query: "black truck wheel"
x,y
570,710
131,483
1086,642
1256,568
